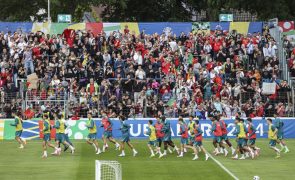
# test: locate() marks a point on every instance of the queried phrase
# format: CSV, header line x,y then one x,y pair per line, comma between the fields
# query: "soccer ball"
x,y
256,178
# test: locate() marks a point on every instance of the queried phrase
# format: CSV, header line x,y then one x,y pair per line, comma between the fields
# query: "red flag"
x,y
28,84
75,118
29,113
286,26
94,28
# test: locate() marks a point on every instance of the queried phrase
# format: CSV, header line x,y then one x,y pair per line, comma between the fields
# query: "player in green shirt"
x,y
46,139
167,139
273,136
151,132
241,134
92,136
279,124
60,133
191,125
18,123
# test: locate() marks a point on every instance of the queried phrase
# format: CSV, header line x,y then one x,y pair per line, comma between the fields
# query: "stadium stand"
x,y
141,76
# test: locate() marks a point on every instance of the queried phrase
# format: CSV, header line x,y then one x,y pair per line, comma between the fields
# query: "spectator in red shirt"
x,y
126,30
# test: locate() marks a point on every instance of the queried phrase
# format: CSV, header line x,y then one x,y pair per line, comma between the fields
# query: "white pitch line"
x,y
223,167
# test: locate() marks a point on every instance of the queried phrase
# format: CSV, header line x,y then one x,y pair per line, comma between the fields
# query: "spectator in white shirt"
x,y
267,50
207,47
139,73
183,93
227,109
106,57
273,49
212,75
173,45
22,44
55,81
138,58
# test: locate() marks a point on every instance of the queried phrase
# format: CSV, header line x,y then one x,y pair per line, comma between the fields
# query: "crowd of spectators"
x,y
142,75
289,47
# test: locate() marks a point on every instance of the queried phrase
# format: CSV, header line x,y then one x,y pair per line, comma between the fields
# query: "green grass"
x,y
27,164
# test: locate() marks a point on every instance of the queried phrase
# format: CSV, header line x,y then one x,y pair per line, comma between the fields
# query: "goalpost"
x,y
108,170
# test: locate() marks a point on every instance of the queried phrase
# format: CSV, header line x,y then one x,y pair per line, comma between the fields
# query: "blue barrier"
x,y
166,27
139,126
78,129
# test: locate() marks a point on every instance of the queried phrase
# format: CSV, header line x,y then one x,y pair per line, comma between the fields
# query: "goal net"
x,y
108,170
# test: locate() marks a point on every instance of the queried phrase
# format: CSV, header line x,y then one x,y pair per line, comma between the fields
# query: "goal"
x,y
108,170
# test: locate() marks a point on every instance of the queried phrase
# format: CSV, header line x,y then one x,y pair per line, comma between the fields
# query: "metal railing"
x,y
281,103
79,103
9,102
286,75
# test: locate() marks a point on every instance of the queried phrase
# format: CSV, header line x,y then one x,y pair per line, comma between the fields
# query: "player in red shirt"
x,y
252,137
159,134
107,134
198,141
217,131
224,136
183,132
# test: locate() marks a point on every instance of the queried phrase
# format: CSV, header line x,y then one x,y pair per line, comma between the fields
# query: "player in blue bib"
x,y
125,137
167,137
279,124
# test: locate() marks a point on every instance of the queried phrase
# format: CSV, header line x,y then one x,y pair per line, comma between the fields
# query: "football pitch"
x,y
27,164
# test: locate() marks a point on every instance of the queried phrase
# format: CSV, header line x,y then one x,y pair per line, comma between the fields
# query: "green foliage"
x,y
74,7
151,10
20,10
265,9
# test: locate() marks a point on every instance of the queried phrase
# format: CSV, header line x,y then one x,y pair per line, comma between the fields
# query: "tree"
x,y
145,11
21,10
265,9
74,7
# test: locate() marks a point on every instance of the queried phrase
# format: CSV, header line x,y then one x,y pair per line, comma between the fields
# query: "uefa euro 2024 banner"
x,y
78,129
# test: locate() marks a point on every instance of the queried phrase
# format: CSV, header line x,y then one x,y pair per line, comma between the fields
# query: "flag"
x,y
28,84
286,26
75,118
95,28
240,27
29,114
84,63
108,28
133,27
43,27
201,27
77,26
255,27
58,28
171,102
222,26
